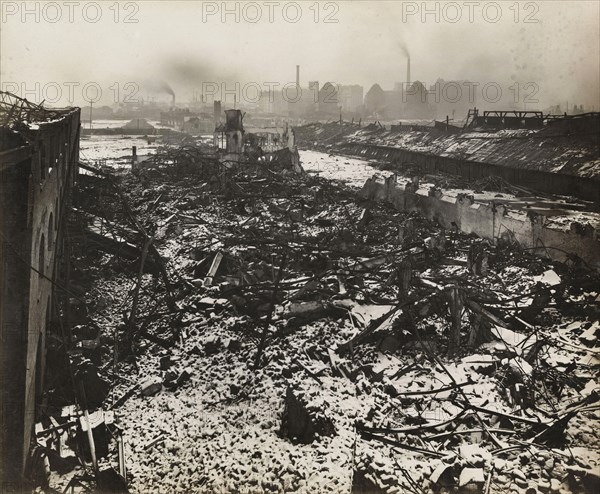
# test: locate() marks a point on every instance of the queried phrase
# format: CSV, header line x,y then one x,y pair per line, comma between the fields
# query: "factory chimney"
x,y
298,76
408,70
217,111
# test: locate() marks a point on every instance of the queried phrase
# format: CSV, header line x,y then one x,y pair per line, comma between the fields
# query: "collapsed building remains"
x,y
237,145
562,157
527,178
234,324
330,343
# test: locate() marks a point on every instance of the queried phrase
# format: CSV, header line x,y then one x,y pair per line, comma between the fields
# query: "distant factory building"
x,y
351,97
329,103
375,100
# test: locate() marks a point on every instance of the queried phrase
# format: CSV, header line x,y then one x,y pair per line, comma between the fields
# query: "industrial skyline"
x,y
542,43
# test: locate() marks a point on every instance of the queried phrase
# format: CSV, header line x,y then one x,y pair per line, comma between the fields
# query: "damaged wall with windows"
x,y
39,151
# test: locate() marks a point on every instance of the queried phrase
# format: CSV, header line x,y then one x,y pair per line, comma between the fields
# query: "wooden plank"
x,y
213,269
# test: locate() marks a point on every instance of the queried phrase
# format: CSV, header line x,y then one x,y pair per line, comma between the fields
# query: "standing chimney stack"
x,y
298,76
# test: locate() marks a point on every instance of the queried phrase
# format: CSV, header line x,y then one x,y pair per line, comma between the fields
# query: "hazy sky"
x,y
558,49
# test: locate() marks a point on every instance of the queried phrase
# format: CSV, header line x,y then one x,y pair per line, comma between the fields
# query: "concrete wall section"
x,y
489,221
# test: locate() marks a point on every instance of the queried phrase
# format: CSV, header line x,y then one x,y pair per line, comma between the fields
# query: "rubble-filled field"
x,y
270,332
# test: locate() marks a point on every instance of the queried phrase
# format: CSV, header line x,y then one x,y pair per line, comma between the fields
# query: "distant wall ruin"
x,y
489,221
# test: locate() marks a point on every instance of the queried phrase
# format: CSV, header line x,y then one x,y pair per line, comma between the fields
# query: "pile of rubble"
x,y
264,331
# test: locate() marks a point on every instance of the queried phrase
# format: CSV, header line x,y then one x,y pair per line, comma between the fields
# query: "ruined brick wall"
x,y
35,190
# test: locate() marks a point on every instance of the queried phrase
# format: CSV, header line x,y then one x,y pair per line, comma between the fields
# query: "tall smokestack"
x,y
408,70
217,111
297,76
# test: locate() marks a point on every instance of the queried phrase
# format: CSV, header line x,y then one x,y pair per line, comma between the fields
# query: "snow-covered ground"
x,y
351,171
116,150
355,171
115,124
220,430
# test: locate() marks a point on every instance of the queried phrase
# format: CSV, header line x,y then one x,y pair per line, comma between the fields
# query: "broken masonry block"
x,y
388,481
305,309
288,372
471,478
299,313
302,421
212,345
170,380
234,345
435,192
165,362
465,199
443,476
185,376
174,380
232,280
151,386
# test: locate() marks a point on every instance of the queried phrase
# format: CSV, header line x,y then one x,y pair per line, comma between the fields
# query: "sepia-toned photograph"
x,y
311,246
